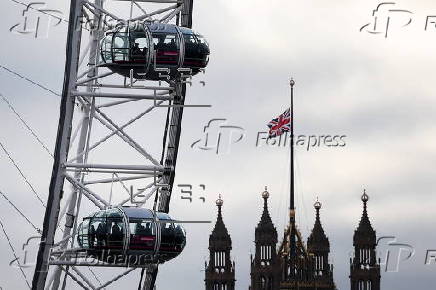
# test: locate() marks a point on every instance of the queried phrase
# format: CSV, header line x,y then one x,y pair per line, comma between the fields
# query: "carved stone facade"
x,y
305,267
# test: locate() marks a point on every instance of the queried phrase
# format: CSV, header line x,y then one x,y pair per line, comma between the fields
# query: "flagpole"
x,y
292,228
292,201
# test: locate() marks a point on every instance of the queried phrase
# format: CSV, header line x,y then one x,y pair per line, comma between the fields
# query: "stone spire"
x,y
318,247
220,229
318,239
220,272
364,267
265,267
265,222
365,234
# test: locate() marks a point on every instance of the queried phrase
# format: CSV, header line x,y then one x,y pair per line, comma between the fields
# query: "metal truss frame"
x,y
87,93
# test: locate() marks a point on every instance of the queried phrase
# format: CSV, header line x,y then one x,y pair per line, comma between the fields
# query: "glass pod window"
x,y
179,237
168,237
98,231
116,230
83,233
120,47
202,40
142,234
196,51
139,47
191,49
166,48
106,48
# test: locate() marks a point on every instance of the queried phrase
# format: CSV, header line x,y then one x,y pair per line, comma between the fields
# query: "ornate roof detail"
x,y
220,231
265,223
364,233
318,239
220,270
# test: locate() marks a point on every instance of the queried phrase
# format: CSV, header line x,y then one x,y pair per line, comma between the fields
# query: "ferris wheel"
x,y
127,66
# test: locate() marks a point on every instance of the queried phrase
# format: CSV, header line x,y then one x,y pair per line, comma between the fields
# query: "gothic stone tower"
x,y
265,268
220,273
318,247
364,268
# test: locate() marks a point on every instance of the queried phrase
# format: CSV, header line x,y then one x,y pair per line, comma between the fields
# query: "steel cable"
x,y
22,174
20,212
15,254
26,125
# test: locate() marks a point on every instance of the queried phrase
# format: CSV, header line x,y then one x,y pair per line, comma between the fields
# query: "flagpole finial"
x,y
292,82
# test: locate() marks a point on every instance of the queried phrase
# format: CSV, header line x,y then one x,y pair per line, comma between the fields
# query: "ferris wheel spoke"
x,y
98,10
171,15
157,12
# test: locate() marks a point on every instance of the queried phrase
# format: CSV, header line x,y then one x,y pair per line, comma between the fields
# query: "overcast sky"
x,y
377,91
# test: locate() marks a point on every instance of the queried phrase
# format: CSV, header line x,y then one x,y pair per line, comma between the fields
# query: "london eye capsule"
x,y
154,51
140,236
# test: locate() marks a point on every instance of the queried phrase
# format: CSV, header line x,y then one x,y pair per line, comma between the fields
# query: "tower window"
x,y
263,283
220,286
220,259
265,252
319,264
361,285
365,256
364,285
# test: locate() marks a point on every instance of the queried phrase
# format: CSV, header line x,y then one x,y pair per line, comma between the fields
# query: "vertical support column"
x,y
186,20
172,146
62,146
175,123
85,130
150,278
173,141
176,120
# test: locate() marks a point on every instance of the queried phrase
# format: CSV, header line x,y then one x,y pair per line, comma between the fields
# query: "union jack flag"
x,y
280,125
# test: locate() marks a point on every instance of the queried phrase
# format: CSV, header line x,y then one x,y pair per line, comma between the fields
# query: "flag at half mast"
x,y
280,125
